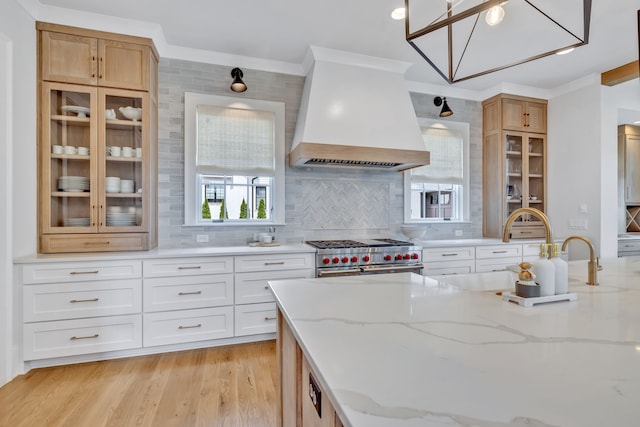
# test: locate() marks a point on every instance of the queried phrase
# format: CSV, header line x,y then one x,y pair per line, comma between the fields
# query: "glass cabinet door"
x,y
536,171
124,146
514,189
68,197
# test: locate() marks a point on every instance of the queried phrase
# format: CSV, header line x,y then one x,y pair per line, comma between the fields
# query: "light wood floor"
x,y
220,386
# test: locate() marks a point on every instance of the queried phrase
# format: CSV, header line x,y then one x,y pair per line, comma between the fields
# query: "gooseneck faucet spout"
x,y
594,263
532,211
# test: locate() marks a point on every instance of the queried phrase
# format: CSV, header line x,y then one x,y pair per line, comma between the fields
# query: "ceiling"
x,y
280,31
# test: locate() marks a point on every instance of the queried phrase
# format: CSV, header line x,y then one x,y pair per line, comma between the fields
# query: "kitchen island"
x,y
407,350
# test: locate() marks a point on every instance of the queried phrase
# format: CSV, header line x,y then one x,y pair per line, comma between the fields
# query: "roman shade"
x,y
446,148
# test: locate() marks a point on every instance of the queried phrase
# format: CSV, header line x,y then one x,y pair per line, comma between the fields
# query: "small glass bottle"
x,y
561,271
544,270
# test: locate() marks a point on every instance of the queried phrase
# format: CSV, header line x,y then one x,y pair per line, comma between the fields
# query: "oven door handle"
x,y
391,268
340,272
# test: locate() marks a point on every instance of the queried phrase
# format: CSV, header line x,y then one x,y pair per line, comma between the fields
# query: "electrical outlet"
x,y
458,233
202,238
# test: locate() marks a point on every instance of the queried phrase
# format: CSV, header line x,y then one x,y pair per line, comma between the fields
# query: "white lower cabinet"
x,y
181,326
94,308
255,308
60,338
450,260
497,257
252,319
76,308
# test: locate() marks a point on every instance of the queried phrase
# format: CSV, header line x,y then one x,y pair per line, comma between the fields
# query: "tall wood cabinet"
x,y
97,167
514,163
629,174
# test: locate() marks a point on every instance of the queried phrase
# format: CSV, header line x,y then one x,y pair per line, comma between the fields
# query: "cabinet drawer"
x,y
531,250
82,336
67,243
178,293
448,254
498,251
629,246
254,319
464,266
527,232
187,266
498,264
84,299
253,287
80,271
294,261
181,326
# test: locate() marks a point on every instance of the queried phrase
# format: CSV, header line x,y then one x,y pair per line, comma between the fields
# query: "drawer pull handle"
x,y
196,267
449,254
499,252
85,272
267,318
266,287
199,325
526,232
84,338
190,293
73,301
104,242
274,263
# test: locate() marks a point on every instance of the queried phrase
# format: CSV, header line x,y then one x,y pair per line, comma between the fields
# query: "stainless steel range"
x,y
369,256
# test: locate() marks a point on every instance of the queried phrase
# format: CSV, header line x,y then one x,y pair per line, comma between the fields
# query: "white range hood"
x,y
356,111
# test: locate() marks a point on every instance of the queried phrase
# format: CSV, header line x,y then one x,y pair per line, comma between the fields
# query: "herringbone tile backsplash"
x,y
341,205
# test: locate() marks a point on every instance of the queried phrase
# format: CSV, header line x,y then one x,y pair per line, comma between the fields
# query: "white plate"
x,y
80,111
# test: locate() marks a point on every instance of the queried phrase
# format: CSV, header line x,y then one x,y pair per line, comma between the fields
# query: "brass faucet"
x,y
532,211
594,263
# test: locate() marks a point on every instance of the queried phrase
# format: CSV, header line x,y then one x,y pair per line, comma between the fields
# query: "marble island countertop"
x,y
406,350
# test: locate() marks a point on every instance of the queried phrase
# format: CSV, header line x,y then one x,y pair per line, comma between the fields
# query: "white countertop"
x,y
477,242
406,350
168,253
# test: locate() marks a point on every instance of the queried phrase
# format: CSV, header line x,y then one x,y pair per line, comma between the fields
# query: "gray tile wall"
x,y
320,203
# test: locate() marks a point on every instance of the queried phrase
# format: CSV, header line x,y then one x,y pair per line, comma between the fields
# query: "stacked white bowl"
x,y
126,186
121,216
74,184
112,184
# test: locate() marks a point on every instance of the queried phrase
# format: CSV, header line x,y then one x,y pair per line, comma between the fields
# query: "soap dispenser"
x,y
544,271
561,271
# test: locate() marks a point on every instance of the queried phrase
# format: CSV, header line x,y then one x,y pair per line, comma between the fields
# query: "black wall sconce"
x,y
446,111
237,85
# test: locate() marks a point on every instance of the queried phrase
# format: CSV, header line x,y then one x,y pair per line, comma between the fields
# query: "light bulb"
x,y
495,15
398,13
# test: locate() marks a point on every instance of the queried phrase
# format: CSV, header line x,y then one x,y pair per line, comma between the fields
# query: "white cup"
x,y
127,152
110,114
70,149
266,239
138,152
83,151
114,151
57,149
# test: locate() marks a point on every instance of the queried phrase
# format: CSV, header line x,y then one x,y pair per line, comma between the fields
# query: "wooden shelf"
x,y
70,194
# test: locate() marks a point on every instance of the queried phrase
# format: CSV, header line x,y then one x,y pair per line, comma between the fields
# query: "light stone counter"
x,y
406,350
168,253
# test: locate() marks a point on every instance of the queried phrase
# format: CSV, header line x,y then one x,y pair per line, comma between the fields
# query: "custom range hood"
x,y
356,111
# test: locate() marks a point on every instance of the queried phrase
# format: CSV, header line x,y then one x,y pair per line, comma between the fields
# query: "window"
x,y
234,161
439,191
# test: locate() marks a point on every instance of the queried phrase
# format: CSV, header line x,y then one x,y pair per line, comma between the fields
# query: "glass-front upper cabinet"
x,y
68,159
123,167
94,162
525,172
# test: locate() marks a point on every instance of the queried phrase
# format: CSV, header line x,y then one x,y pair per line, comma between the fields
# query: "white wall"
x,y
574,166
18,167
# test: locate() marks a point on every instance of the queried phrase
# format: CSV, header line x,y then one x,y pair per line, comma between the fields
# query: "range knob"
x,y
326,260
345,259
398,257
335,260
354,259
387,257
407,256
415,256
366,258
